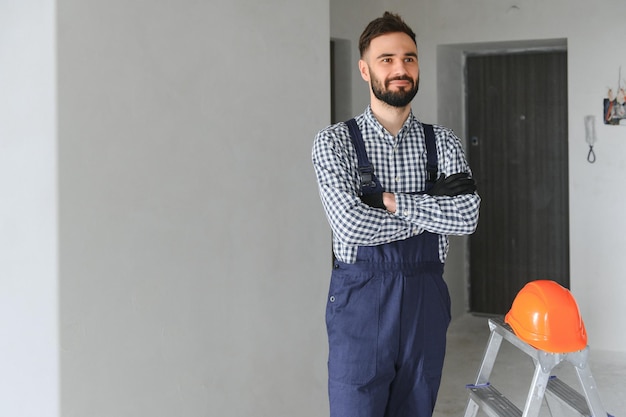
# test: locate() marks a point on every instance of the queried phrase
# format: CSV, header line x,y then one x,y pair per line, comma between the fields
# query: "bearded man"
x,y
393,189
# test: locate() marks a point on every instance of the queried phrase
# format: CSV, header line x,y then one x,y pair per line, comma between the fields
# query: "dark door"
x,y
517,125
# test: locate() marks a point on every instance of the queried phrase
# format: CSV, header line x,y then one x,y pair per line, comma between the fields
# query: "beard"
x,y
400,98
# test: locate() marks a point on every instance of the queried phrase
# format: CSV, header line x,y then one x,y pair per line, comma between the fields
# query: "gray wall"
x,y
194,252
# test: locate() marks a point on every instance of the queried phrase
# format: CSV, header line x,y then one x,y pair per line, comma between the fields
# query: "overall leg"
x,y
425,320
363,341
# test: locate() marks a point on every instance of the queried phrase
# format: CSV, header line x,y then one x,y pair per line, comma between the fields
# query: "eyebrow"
x,y
386,55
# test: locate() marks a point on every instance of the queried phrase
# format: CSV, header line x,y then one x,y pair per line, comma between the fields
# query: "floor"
x,y
513,371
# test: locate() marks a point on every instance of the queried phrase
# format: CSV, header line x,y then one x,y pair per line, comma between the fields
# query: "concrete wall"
x,y
194,253
596,223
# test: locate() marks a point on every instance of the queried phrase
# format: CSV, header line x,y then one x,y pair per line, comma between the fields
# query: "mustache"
x,y
400,78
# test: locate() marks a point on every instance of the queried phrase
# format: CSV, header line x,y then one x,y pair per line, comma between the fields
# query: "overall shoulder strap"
x,y
365,166
431,154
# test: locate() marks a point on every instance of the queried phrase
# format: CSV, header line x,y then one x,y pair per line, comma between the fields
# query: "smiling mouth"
x,y
400,82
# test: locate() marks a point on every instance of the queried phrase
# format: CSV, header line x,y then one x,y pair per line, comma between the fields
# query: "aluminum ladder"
x,y
561,398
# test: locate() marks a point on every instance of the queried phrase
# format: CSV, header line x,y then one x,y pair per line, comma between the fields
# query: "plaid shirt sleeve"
x,y
443,215
353,223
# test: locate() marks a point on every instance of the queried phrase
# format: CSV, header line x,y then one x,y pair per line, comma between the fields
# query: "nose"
x,y
399,68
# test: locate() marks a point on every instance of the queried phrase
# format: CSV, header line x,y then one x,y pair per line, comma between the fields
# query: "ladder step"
x,y
493,402
568,395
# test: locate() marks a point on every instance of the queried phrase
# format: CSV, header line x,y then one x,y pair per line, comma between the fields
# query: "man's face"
x,y
391,68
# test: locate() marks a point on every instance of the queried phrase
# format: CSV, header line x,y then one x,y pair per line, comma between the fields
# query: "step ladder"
x,y
561,398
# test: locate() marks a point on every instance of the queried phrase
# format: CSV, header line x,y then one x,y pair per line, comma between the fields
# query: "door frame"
x,y
451,112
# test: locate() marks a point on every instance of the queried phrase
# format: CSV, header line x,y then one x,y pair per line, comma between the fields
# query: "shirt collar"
x,y
371,119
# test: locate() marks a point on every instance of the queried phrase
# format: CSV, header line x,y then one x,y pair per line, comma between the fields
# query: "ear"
x,y
364,70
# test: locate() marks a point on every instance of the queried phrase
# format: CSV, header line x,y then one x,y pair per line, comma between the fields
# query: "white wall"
x,y
194,252
28,249
596,223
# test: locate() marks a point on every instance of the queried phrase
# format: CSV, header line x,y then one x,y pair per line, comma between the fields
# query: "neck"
x,y
392,118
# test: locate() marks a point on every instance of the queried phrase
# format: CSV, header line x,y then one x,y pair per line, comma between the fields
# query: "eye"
x,y
410,59
386,60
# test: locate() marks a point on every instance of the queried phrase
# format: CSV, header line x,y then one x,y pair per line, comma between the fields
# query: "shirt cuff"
x,y
407,209
405,206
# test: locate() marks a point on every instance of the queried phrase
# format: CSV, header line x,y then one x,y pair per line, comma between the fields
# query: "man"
x,y
392,193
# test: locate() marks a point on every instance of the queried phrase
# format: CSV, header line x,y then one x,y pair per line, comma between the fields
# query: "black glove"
x,y
455,184
374,200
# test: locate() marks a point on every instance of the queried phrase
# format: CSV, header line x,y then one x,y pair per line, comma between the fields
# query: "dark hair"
x,y
389,23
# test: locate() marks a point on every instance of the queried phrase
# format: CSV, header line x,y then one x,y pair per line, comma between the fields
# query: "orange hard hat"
x,y
545,315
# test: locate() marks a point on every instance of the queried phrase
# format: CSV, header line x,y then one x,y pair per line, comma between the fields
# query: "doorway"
x,y
518,149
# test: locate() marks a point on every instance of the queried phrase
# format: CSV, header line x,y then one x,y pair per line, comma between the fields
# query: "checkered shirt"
x,y
400,165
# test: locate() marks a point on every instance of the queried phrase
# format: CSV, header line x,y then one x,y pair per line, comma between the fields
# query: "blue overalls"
x,y
387,317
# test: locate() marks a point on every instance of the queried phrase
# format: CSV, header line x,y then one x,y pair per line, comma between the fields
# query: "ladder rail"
x,y
489,358
498,325
472,407
536,391
590,389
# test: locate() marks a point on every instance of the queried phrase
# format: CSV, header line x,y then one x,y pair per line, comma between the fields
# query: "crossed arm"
x,y
357,223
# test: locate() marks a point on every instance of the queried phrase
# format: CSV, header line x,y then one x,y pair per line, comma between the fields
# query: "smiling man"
x,y
393,189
